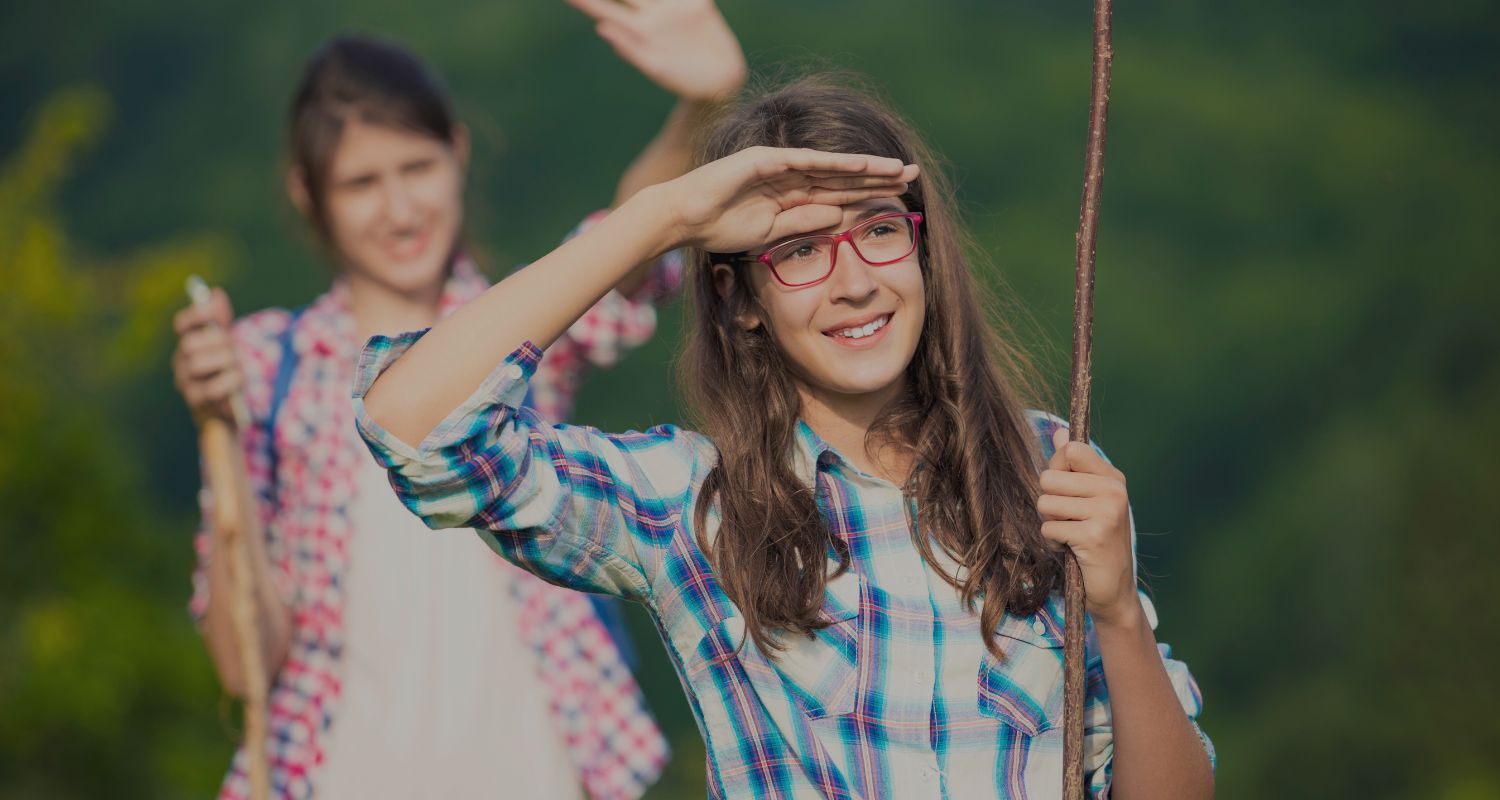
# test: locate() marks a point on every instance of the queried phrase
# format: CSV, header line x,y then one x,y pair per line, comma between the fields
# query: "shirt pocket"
x,y
822,670
1025,690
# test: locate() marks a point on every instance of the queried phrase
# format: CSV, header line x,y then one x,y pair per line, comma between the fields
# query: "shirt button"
x,y
514,371
1039,627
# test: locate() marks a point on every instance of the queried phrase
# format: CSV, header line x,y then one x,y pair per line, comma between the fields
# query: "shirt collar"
x,y
812,452
327,326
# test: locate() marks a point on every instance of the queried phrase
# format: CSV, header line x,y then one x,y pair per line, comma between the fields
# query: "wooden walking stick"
x,y
222,458
1078,405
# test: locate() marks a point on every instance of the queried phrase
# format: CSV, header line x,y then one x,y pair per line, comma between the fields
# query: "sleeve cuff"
x,y
504,386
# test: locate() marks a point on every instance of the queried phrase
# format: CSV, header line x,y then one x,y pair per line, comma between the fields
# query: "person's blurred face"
x,y
852,335
395,205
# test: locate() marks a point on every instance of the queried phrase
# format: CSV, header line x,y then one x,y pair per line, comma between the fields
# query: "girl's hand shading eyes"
x,y
765,194
1085,506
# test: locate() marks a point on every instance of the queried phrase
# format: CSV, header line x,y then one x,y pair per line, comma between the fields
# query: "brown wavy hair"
x,y
962,417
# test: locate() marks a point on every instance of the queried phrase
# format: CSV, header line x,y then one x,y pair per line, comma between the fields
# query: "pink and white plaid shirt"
x,y
598,708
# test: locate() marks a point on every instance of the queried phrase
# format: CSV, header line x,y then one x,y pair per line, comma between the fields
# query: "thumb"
x,y
219,309
1059,459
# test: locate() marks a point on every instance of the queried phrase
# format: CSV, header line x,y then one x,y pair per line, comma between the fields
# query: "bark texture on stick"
x,y
221,451
1078,407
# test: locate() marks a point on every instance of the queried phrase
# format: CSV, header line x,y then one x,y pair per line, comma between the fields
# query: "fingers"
x,y
203,388
215,390
621,37
770,162
1060,507
217,311
844,197
803,219
1067,532
603,10
1066,483
203,339
804,160
205,363
833,181
1080,457
794,191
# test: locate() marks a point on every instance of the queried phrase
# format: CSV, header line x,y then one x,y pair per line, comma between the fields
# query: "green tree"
x,y
103,685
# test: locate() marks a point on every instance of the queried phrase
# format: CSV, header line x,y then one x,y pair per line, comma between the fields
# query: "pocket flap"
x,y
840,596
1041,629
1025,691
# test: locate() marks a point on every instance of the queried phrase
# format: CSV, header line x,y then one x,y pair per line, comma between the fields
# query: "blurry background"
x,y
1296,342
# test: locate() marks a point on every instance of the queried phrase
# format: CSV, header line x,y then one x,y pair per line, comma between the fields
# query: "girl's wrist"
x,y
1126,616
651,209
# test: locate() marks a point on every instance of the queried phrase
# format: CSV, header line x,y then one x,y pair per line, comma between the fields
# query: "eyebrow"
x,y
880,210
867,214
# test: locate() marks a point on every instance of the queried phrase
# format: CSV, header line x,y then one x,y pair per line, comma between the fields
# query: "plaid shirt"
x,y
896,698
610,736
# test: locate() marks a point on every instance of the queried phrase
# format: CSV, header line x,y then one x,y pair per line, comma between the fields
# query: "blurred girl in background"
x,y
856,565
399,668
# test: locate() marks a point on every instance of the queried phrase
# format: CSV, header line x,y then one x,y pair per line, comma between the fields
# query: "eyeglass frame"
x,y
915,217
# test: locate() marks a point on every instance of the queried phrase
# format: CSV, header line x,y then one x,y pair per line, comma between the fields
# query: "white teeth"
x,y
866,330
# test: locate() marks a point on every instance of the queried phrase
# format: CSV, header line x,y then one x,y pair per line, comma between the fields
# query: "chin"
x,y
861,383
414,277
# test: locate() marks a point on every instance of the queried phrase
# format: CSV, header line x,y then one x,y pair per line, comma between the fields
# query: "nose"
x,y
400,203
852,279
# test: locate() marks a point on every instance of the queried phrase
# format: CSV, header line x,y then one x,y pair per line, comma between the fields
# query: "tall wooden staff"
x,y
1078,406
222,458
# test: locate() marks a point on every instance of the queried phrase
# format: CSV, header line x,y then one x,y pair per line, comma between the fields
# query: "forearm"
x,y
668,155
1157,753
536,304
272,615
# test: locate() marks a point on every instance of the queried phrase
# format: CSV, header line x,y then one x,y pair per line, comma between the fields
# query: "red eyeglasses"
x,y
807,260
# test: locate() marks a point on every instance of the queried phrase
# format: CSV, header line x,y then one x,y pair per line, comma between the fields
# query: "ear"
x,y
724,285
296,191
460,145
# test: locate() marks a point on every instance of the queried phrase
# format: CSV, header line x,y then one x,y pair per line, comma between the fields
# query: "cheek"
x,y
442,192
912,290
791,314
351,218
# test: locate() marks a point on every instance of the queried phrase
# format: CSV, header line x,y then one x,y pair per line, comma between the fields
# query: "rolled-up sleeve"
x,y
573,505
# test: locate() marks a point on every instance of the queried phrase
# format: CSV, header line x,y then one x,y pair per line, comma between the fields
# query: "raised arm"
x,y
734,204
686,48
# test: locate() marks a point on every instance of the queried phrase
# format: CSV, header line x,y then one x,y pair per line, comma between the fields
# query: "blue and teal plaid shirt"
x,y
897,698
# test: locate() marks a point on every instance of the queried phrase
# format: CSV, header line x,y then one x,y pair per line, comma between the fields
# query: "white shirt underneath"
x,y
440,696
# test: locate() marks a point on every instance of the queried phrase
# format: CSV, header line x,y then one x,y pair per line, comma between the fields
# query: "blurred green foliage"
x,y
1298,363
101,681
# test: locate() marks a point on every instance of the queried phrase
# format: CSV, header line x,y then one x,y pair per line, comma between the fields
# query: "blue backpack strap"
x,y
279,388
613,616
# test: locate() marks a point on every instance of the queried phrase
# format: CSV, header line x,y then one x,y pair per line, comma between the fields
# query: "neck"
x,y
844,421
381,309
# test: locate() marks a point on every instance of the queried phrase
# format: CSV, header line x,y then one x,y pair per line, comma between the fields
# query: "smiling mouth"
x,y
408,245
861,331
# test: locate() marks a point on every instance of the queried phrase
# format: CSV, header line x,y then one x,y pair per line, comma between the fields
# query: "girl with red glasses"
x,y
854,559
